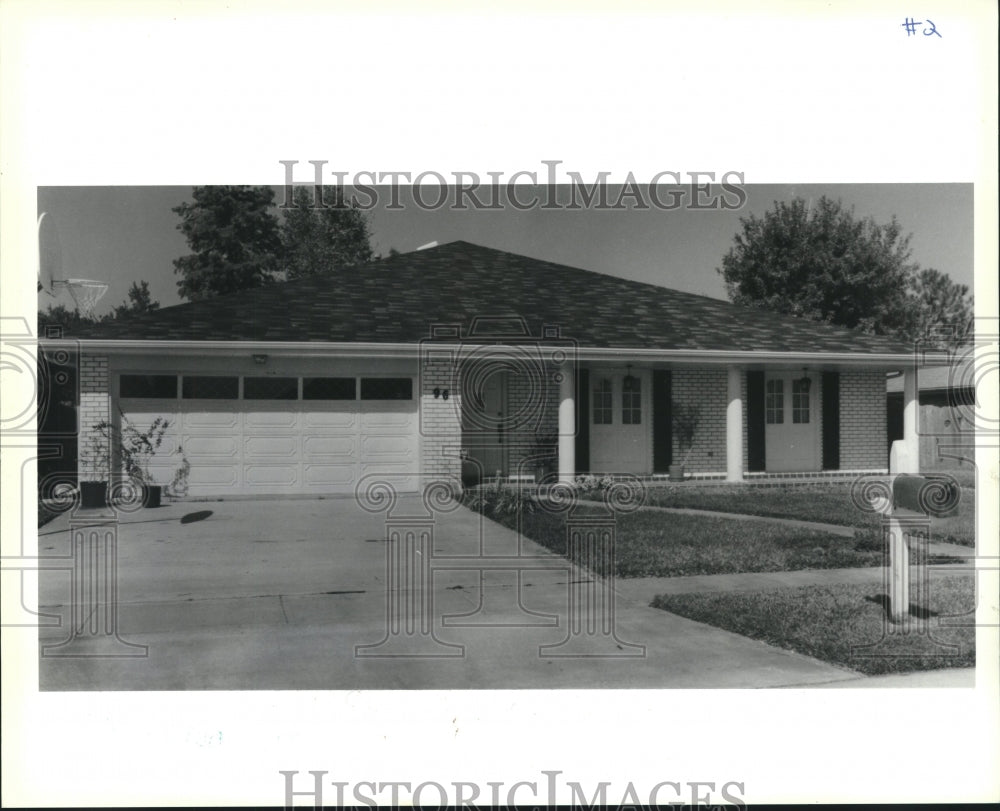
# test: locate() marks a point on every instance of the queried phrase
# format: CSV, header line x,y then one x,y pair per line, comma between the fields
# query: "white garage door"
x,y
279,435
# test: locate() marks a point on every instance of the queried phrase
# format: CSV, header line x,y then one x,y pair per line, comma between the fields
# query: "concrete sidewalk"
x,y
928,679
645,589
933,547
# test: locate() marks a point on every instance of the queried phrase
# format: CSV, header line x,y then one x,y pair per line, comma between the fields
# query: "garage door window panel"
x,y
329,388
210,387
386,388
270,388
148,387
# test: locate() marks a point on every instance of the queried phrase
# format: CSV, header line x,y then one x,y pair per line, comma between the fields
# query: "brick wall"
x,y
862,420
93,453
533,405
440,421
706,389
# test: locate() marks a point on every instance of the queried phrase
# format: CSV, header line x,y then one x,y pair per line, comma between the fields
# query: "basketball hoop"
x,y
86,293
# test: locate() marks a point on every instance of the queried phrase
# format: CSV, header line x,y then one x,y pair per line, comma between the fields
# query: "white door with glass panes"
x,y
620,433
791,422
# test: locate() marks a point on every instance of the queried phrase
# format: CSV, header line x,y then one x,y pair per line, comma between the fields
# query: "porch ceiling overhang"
x,y
437,348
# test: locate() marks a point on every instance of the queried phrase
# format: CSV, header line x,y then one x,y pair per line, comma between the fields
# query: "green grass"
x,y
649,543
824,503
833,622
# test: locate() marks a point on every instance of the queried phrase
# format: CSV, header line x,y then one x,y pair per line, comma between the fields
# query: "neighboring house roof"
x,y
397,299
937,378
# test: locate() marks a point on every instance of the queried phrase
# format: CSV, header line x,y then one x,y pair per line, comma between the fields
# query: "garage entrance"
x,y
247,435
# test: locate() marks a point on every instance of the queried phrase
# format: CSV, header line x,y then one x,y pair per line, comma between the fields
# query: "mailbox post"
x,y
914,498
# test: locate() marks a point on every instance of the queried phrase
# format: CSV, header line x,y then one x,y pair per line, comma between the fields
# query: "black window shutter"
x,y
583,421
663,429
831,421
756,455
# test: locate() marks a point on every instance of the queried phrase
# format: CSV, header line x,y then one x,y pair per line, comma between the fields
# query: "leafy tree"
x,y
943,306
823,263
321,240
139,301
235,238
60,316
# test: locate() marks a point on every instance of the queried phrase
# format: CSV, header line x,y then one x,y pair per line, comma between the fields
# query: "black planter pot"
x,y
470,473
93,494
677,473
151,494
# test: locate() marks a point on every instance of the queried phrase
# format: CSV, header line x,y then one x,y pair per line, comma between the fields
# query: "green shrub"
x,y
498,501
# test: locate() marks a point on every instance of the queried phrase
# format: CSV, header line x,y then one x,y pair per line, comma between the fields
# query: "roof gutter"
x,y
414,350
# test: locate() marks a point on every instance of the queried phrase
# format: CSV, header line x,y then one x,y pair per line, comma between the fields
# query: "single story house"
x,y
459,357
946,424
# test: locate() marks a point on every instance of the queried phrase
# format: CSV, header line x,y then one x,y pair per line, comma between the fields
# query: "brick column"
x,y
440,419
95,407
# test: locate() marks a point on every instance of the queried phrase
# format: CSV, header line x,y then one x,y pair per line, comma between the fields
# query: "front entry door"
x,y
489,422
791,417
620,434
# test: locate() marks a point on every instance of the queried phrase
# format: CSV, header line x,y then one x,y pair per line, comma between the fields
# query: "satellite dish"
x,y
85,292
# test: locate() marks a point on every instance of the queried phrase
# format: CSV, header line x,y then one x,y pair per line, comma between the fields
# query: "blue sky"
x,y
122,234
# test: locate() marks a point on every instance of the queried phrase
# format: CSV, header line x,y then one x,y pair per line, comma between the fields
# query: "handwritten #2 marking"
x,y
911,27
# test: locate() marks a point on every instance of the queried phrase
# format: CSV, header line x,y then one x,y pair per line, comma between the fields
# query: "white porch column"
x,y
908,456
567,424
734,426
904,456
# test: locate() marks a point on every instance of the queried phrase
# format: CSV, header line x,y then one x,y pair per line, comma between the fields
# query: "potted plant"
x,y
96,466
136,448
178,487
685,421
543,456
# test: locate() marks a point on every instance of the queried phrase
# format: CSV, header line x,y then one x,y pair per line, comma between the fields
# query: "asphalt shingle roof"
x,y
396,300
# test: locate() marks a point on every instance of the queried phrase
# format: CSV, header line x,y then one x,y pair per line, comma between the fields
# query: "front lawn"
x,y
650,543
832,623
824,503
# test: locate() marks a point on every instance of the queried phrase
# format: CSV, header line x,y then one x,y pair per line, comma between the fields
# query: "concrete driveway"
x,y
299,594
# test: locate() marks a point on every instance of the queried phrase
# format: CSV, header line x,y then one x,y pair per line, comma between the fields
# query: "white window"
x,y
631,401
774,402
602,402
800,401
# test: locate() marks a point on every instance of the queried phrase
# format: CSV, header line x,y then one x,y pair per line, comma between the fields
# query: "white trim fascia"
x,y
407,350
